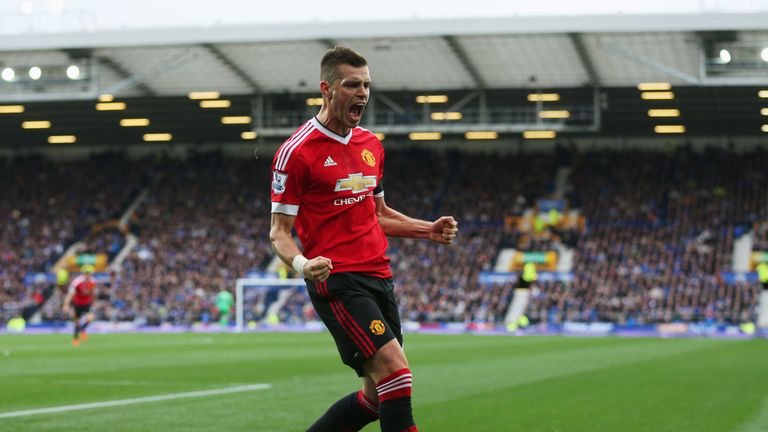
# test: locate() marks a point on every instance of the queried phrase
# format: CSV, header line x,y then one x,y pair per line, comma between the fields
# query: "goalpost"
x,y
241,284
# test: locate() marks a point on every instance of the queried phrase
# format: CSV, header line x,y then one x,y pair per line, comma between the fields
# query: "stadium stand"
x,y
660,234
51,206
662,228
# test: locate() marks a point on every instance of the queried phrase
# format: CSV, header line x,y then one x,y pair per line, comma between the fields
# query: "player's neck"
x,y
329,122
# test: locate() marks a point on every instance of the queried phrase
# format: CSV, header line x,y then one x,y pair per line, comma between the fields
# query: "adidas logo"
x,y
329,162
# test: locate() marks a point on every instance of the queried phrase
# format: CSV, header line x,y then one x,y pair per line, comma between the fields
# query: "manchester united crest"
x,y
377,327
368,158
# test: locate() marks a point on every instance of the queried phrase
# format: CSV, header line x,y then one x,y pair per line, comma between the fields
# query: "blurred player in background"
x,y
326,181
62,278
42,291
79,300
224,301
762,275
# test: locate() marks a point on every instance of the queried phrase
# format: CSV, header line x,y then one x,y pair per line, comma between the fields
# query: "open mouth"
x,y
356,111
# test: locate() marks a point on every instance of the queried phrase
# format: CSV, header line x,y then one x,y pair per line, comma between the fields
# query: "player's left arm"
x,y
396,224
66,304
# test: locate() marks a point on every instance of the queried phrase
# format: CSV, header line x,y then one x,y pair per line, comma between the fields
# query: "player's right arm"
x,y
289,179
317,269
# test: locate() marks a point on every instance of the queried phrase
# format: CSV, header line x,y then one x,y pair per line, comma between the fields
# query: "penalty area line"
x,y
121,402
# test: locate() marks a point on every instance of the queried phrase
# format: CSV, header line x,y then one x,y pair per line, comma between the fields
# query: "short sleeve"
x,y
287,185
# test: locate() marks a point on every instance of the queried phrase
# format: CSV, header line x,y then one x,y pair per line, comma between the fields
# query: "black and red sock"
x,y
349,414
395,411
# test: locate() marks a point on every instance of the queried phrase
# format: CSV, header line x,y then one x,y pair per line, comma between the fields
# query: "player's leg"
x,y
357,409
367,311
223,318
88,318
369,390
388,368
348,414
76,322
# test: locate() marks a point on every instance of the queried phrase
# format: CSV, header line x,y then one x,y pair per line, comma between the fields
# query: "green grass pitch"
x,y
461,383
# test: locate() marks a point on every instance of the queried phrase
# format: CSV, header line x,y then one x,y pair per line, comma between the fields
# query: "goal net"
x,y
261,297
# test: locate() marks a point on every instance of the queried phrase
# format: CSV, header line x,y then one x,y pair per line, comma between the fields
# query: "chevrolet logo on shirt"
x,y
356,183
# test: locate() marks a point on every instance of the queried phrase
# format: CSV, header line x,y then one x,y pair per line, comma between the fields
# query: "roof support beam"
x,y
464,101
174,62
237,70
390,103
125,75
645,61
586,60
461,54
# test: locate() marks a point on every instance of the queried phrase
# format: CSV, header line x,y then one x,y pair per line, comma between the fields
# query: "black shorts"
x,y
360,312
81,310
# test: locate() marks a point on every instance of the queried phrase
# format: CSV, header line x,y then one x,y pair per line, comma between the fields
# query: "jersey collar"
x,y
331,134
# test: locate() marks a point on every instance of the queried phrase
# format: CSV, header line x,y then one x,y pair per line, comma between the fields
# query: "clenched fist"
x,y
318,269
444,230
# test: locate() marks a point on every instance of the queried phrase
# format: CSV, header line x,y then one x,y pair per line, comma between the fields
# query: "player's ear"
x,y
325,89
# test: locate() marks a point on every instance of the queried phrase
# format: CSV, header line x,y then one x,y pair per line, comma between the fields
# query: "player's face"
x,y
349,94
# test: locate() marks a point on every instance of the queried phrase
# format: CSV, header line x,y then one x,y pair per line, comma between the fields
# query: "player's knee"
x,y
389,359
395,365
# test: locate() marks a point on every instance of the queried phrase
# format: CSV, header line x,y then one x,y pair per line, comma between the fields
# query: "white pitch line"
x,y
122,402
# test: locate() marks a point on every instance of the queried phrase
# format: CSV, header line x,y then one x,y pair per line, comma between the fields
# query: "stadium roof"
x,y
506,52
156,68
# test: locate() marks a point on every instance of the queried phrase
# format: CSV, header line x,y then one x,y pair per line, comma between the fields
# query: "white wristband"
x,y
299,261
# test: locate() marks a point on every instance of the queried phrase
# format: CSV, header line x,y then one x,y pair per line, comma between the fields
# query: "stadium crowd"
x,y
201,226
661,233
439,283
761,236
50,206
661,228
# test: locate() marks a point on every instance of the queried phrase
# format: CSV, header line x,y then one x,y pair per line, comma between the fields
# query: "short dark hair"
x,y
336,56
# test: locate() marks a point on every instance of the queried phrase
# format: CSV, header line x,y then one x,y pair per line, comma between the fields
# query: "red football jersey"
x,y
82,288
327,181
